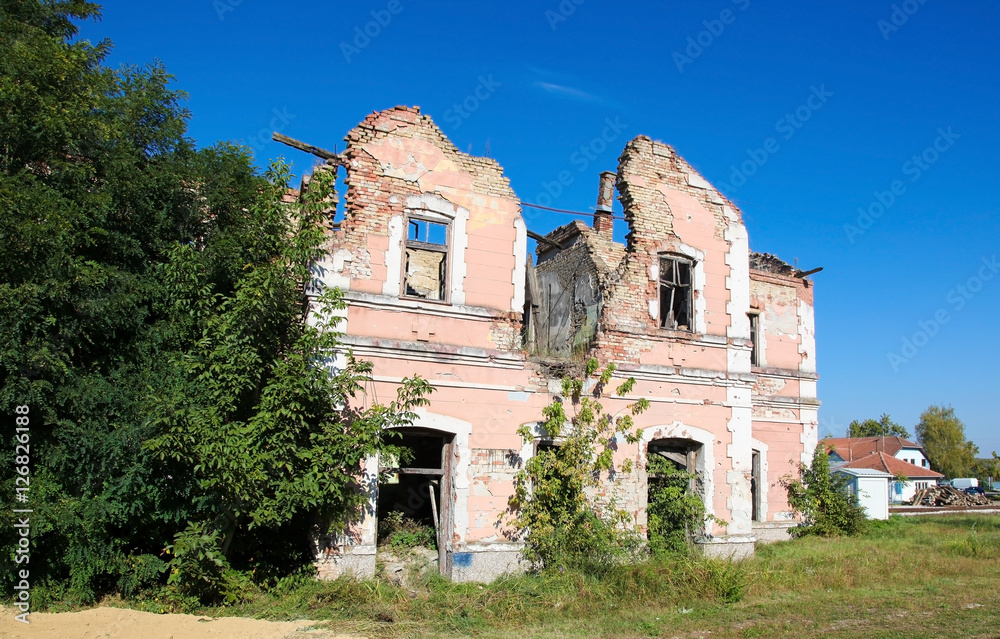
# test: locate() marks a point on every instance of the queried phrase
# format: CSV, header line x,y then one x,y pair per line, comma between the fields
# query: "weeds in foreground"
x,y
512,601
902,579
977,544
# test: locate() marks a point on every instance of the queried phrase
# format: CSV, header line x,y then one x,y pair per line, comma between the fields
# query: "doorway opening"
x,y
413,508
675,507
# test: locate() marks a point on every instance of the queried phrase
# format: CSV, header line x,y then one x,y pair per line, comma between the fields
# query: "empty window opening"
x,y
341,188
673,494
426,260
755,350
755,480
413,504
547,447
675,293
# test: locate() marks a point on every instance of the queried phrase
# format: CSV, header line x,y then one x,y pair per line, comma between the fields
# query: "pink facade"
x,y
432,258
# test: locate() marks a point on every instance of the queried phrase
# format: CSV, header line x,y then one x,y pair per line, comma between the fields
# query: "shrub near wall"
x,y
823,500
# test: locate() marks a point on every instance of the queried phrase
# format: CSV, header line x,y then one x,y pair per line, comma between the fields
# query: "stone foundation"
x,y
354,561
735,547
768,532
480,563
484,563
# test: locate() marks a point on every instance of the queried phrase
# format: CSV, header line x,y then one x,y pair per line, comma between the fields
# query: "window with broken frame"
x,y
755,345
426,270
676,293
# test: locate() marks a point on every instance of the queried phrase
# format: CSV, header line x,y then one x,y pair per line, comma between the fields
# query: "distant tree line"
x,y
942,435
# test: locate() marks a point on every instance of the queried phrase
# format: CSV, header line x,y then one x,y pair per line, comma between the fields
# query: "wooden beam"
x,y
416,471
543,239
302,146
801,274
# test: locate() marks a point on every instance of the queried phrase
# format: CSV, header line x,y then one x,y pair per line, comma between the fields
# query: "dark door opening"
x,y
414,493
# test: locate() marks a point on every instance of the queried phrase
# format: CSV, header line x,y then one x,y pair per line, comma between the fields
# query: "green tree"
x,y
987,471
823,499
152,318
94,175
254,406
883,427
942,436
555,506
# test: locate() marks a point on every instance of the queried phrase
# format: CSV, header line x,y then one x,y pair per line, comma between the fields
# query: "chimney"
x,y
603,222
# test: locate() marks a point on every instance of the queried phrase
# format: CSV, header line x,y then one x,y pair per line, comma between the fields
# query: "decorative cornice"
x,y
426,352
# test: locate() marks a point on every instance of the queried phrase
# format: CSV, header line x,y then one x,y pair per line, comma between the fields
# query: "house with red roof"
x,y
893,455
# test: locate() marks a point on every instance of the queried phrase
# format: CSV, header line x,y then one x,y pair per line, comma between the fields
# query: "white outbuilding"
x,y
871,488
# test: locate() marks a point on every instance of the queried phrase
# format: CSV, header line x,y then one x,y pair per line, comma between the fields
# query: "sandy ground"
x,y
117,623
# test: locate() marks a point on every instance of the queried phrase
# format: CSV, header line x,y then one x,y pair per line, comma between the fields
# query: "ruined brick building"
x,y
432,256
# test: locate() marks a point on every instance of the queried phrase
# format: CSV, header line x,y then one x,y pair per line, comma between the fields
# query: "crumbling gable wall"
x,y
696,375
400,165
671,210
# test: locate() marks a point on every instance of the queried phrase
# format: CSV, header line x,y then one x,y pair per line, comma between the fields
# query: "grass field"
x,y
912,578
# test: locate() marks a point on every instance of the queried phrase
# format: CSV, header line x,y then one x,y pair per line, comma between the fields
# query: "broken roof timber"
x,y
308,148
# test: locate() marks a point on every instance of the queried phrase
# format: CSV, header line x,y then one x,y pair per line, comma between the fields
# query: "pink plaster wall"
x,y
783,458
777,298
399,153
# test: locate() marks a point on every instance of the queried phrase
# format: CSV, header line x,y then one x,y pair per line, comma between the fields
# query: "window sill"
x,y
424,300
676,332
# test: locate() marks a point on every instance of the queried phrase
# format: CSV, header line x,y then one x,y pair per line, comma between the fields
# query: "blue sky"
x,y
907,130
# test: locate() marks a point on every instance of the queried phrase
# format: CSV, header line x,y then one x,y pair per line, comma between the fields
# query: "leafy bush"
x,y
237,587
563,525
823,499
674,512
400,532
197,569
199,572
145,572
